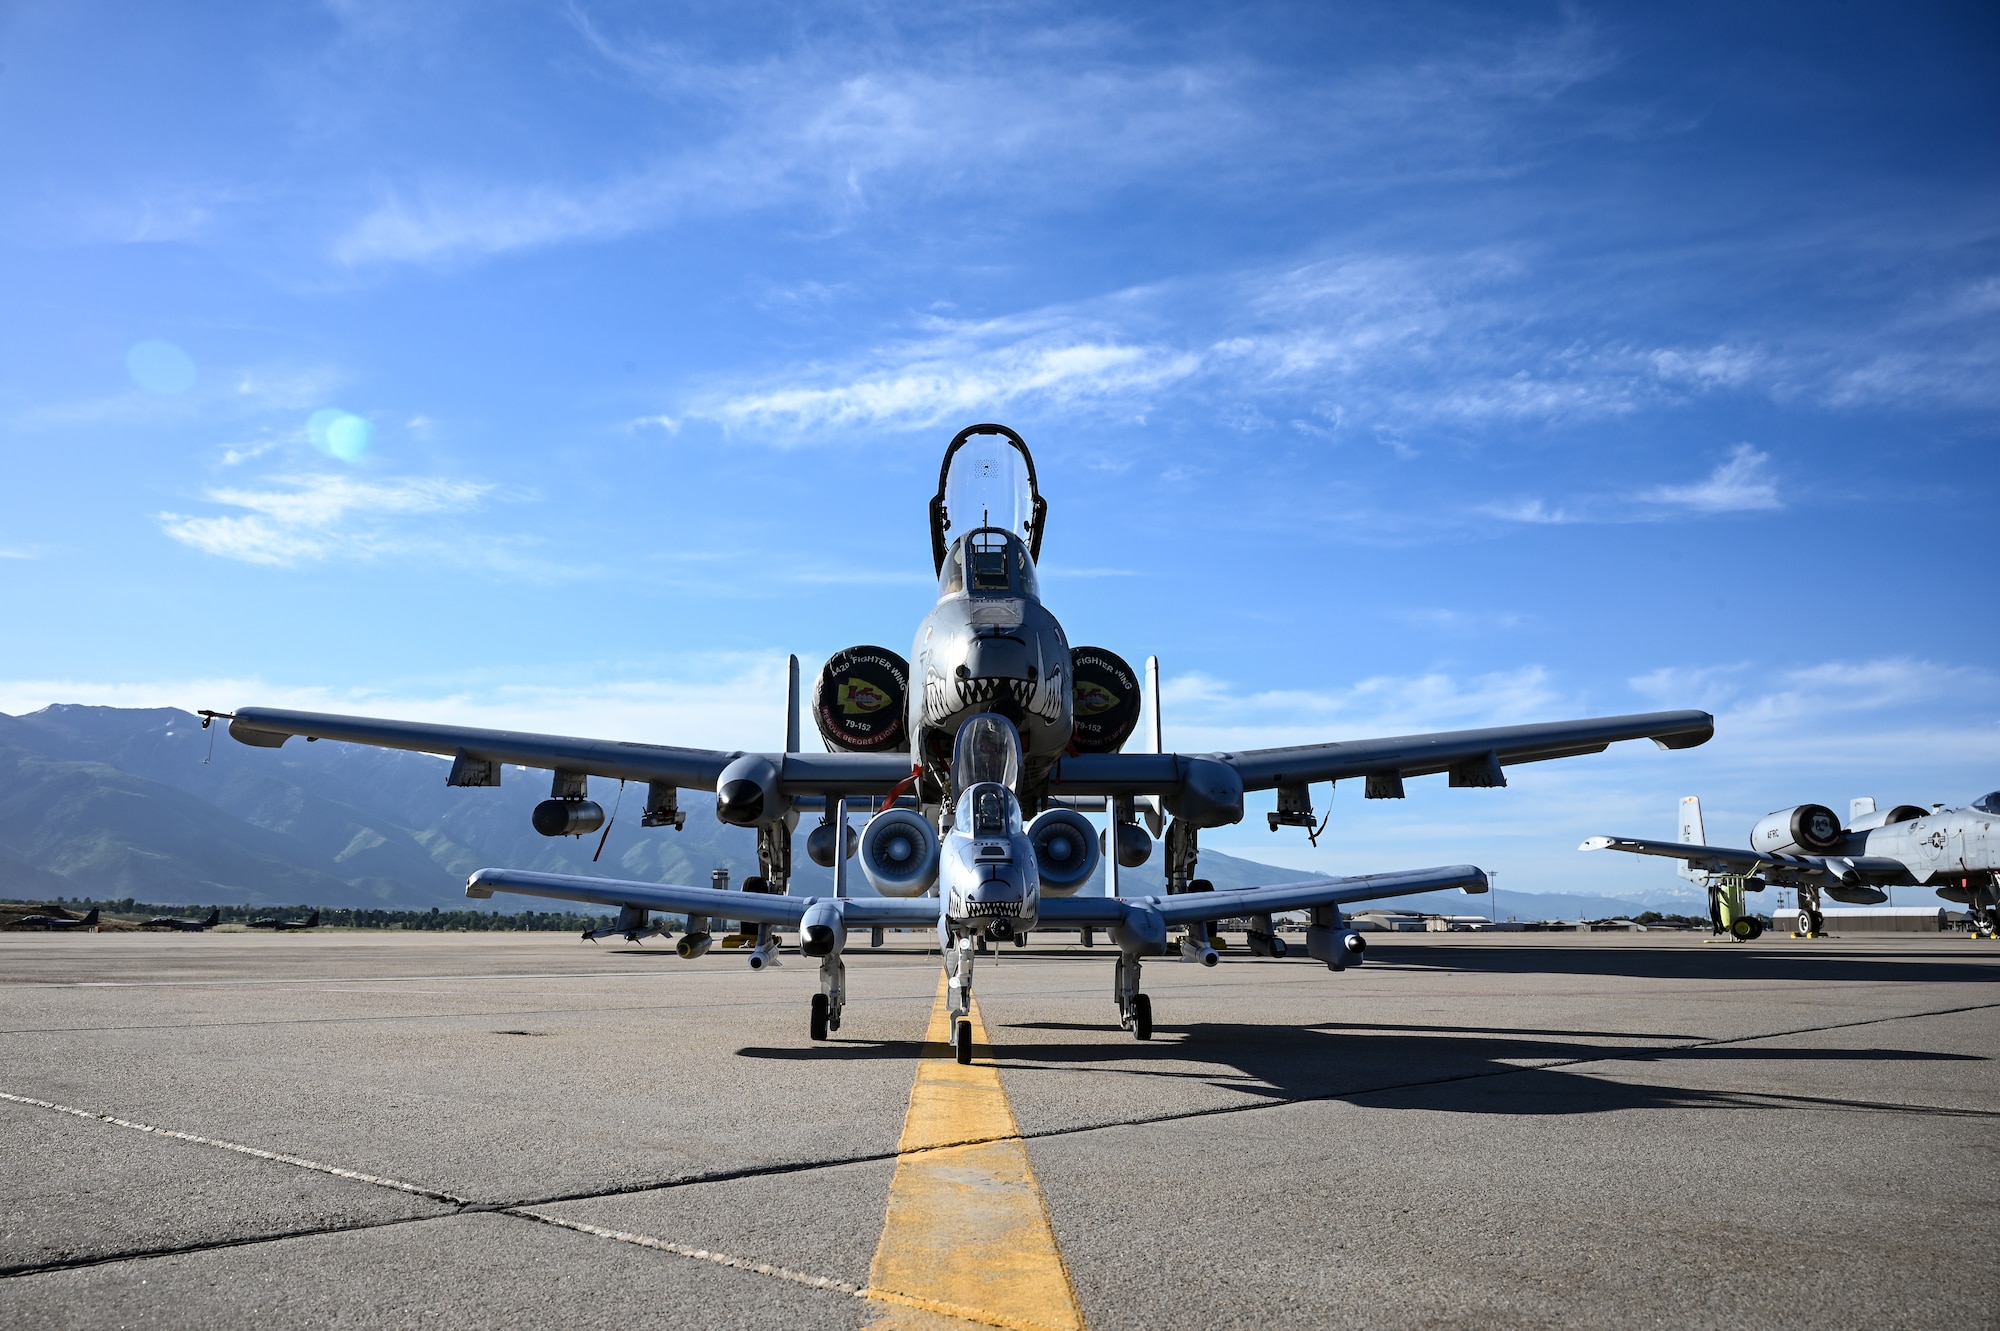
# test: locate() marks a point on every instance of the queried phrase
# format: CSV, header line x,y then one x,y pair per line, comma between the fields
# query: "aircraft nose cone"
x,y
816,940
739,802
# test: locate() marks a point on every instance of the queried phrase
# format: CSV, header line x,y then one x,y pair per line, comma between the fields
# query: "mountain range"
x,y
109,802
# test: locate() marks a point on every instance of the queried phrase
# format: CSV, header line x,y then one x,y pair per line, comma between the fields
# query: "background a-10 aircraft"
x,y
975,759
1805,848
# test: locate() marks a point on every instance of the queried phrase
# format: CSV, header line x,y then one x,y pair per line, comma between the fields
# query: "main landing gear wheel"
x,y
819,1017
961,1040
1142,1016
1744,929
1815,922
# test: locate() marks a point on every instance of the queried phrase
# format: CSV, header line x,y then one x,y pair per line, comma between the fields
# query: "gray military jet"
x,y
974,766
209,921
56,922
1805,848
281,925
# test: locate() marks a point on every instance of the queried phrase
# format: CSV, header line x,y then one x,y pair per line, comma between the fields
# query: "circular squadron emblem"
x,y
1107,696
859,701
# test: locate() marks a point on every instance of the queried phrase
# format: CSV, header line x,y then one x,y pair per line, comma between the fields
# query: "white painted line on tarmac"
x,y
297,1161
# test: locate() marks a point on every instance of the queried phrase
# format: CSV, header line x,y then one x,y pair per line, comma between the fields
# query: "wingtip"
x,y
1597,843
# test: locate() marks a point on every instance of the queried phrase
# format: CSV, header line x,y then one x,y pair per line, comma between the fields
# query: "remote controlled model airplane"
x,y
1806,848
57,922
213,918
974,766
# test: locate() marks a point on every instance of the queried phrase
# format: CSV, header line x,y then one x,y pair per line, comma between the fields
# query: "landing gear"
x,y
1814,922
1746,927
832,996
1135,1010
961,1040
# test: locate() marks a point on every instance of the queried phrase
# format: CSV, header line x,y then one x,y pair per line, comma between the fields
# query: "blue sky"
x,y
1389,367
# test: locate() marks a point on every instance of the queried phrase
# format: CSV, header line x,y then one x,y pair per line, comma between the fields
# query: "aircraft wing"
x,y
1466,753
1190,907
695,769
1714,859
757,907
1470,757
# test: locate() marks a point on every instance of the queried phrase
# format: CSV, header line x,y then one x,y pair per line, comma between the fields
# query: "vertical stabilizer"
x,y
1691,831
792,706
1859,807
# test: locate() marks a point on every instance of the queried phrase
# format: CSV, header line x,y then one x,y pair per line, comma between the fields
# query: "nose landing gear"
x,y
1135,1010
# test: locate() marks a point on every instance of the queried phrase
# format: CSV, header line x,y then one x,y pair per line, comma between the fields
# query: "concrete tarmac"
x,y
478,1130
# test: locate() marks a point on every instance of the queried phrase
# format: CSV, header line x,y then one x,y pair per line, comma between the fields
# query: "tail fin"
x,y
1691,831
312,920
1859,807
89,919
214,918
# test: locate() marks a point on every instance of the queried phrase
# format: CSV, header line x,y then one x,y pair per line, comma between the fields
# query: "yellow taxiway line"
x,y
967,1237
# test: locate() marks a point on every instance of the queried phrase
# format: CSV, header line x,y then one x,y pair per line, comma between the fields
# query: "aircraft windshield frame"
x,y
1988,803
988,748
992,485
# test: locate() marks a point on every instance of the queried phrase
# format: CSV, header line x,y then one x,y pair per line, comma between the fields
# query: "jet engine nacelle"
x,y
861,702
899,853
1807,829
1135,846
819,844
748,792
567,817
1902,813
1066,853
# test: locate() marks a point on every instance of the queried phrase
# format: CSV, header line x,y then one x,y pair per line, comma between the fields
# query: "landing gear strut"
x,y
1135,1010
832,996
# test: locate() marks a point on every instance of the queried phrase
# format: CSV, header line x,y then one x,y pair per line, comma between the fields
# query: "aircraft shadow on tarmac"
x,y
1722,961
1441,1068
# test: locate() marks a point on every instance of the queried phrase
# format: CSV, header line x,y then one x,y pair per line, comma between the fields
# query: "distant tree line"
x,y
341,917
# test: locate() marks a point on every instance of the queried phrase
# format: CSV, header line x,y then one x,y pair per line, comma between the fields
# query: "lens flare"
x,y
160,367
338,433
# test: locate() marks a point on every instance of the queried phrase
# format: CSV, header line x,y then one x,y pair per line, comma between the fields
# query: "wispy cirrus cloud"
x,y
962,370
1742,483
319,517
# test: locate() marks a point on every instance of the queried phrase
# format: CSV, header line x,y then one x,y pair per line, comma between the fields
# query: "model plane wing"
x,y
488,750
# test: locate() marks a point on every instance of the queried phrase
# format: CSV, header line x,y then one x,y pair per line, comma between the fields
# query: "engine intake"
x,y
1066,851
1806,829
899,853
861,701
1107,697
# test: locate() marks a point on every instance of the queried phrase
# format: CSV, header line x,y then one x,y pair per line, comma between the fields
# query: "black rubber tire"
x,y
1142,1016
1744,928
819,1017
962,1040
1756,928
1815,922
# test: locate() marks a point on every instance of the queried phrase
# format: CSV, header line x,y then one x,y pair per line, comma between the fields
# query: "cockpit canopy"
x,y
1988,803
987,480
988,749
989,811
988,562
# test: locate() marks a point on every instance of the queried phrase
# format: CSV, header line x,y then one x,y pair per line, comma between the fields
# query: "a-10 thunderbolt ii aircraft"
x,y
1805,848
974,765
282,925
